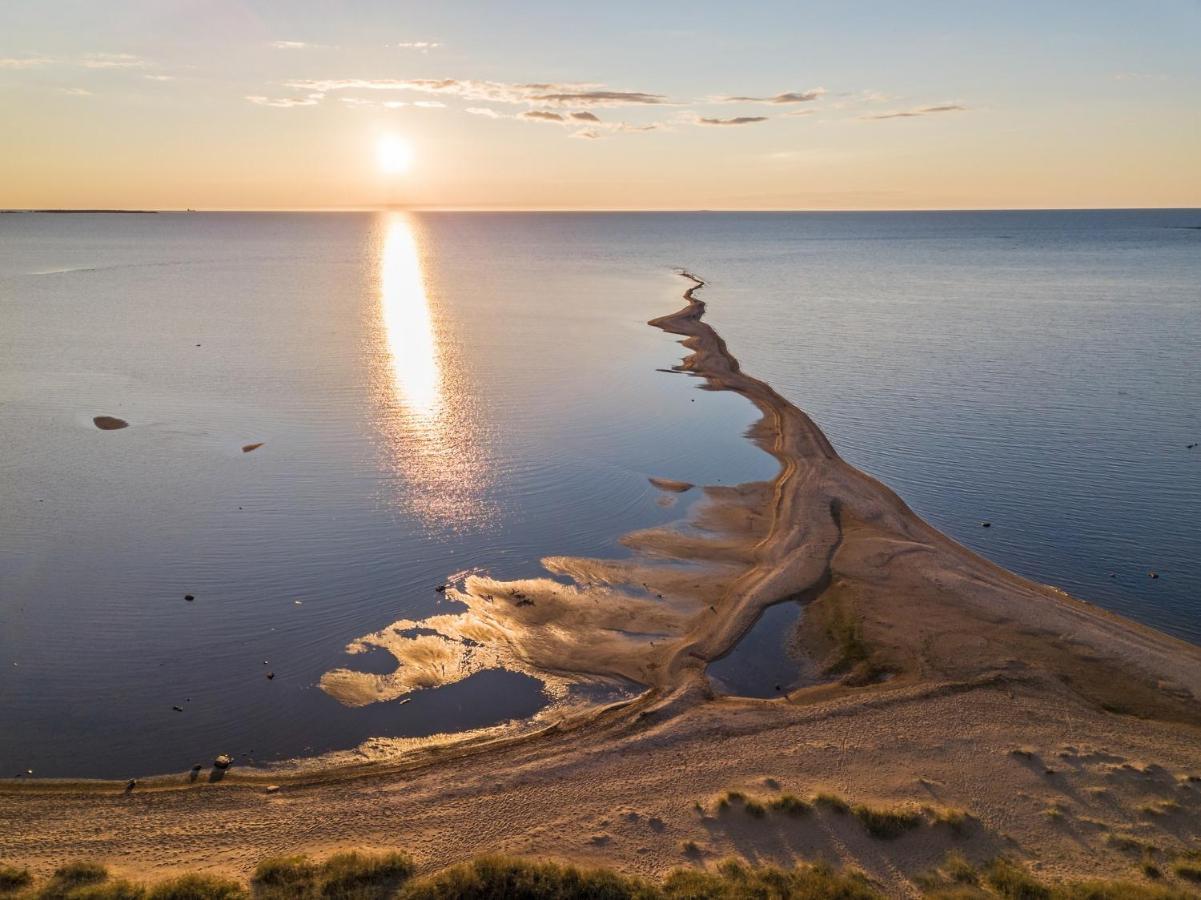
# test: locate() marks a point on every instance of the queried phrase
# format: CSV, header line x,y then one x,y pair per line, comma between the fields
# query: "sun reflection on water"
x,y
428,419
416,371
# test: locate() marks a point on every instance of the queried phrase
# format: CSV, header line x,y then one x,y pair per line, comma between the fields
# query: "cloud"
x,y
290,102
585,116
599,98
920,111
159,77
430,104
541,115
483,111
588,135
737,120
75,92
291,45
25,62
87,61
786,97
112,61
416,45
532,94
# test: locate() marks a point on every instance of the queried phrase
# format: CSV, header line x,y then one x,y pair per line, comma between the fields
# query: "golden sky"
x,y
214,104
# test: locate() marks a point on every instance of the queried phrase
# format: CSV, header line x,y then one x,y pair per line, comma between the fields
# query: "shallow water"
x,y
765,662
446,392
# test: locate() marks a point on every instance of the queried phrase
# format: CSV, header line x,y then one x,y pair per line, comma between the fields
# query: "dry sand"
x,y
1064,731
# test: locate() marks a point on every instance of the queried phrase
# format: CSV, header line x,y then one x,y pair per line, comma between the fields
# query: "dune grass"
x,y
789,805
888,823
832,802
13,879
390,876
360,876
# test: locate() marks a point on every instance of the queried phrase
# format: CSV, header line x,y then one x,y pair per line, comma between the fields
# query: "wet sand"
x,y
937,664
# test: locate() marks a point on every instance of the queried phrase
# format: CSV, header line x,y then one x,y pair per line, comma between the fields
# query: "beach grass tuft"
x,y
361,876
14,879
832,802
1189,870
789,805
501,876
1013,882
889,822
197,887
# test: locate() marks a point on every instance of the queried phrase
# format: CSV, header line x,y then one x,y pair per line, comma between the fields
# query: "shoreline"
x,y
909,625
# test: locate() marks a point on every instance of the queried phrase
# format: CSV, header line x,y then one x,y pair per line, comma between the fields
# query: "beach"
x,y
1010,717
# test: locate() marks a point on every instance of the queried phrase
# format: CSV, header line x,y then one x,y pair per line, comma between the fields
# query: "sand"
x,y
950,682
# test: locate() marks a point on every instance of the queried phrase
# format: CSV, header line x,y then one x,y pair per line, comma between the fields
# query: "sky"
x,y
844,104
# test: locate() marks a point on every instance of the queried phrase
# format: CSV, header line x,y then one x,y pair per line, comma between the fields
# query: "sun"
x,y
393,154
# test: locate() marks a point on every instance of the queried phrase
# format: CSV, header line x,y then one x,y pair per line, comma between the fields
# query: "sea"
x,y
440,393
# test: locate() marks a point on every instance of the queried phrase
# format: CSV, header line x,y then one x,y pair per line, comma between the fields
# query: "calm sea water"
x,y
443,392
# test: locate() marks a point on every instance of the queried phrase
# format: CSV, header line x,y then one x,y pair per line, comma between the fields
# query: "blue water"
x,y
441,392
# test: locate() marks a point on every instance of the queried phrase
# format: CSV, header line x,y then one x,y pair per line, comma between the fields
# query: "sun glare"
x,y
394,154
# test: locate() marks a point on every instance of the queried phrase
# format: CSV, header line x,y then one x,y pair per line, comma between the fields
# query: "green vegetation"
x,y
887,823
390,876
13,879
195,887
955,819
843,628
351,875
1188,870
755,809
832,802
789,805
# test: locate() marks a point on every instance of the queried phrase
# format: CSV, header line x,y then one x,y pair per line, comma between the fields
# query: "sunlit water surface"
x,y
444,392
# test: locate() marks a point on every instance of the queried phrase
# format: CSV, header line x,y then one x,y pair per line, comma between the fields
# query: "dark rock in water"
x,y
441,589
224,761
270,676
177,708
1152,574
189,597
986,524
109,423
246,448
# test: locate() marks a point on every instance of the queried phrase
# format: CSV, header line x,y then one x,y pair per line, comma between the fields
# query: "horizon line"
x,y
567,209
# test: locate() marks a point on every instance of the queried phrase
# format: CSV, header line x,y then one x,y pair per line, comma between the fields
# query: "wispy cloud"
x,y
159,77
736,120
288,102
585,116
112,61
86,61
416,45
483,111
75,92
786,97
541,115
291,45
532,94
25,62
915,113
